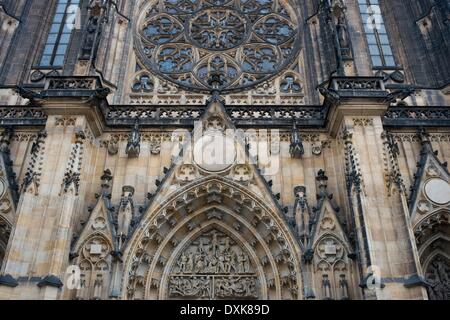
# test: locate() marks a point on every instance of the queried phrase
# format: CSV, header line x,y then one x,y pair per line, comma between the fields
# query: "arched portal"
x,y
433,239
5,231
213,239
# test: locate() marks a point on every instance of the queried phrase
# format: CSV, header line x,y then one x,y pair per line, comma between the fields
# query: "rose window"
x,y
238,43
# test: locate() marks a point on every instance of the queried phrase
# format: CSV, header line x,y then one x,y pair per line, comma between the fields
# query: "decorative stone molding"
x,y
72,83
362,122
358,83
65,121
71,179
34,169
149,276
22,115
392,174
352,168
417,116
248,115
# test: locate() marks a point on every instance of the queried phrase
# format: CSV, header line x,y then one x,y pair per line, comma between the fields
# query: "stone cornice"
x,y
344,96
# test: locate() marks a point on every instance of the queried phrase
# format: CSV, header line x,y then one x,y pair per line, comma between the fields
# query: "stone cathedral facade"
x,y
224,149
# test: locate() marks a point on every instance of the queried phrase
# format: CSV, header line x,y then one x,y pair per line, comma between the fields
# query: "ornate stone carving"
x,y
71,179
291,83
125,214
65,122
438,278
362,122
213,267
392,173
296,148
94,261
143,83
133,148
242,44
187,173
352,169
242,173
330,250
33,174
418,113
72,83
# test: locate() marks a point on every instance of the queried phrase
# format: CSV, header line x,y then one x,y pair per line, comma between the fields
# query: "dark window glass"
x,y
377,38
59,36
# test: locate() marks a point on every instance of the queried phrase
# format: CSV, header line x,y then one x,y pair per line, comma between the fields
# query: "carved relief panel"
x,y
213,267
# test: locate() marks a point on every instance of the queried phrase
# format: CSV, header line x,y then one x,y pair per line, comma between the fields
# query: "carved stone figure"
x,y
296,148
438,278
134,142
125,214
213,260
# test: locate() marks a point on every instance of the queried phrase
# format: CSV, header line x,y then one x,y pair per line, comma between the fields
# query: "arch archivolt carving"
x,y
5,232
428,225
433,239
248,230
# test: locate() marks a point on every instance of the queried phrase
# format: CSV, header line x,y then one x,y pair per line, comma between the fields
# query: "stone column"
x,y
40,245
385,251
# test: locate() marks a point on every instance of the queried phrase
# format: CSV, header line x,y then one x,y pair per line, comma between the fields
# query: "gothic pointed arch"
x,y
430,217
202,188
330,249
213,203
95,262
93,249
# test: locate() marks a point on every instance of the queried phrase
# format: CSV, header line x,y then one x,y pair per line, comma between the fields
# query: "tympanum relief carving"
x,y
213,266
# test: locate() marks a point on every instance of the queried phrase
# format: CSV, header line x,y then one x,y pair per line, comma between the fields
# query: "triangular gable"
x,y
431,188
187,169
328,222
99,223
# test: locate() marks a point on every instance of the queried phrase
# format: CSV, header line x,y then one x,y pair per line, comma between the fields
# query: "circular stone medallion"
x,y
438,191
214,152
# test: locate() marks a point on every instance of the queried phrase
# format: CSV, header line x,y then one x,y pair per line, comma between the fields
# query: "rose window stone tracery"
x,y
241,42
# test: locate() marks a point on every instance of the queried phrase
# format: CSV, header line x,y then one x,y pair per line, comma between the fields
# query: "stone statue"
x,y
134,142
125,214
296,148
98,287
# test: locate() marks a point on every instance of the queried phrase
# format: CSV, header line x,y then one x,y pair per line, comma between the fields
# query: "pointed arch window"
x,y
377,38
60,31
